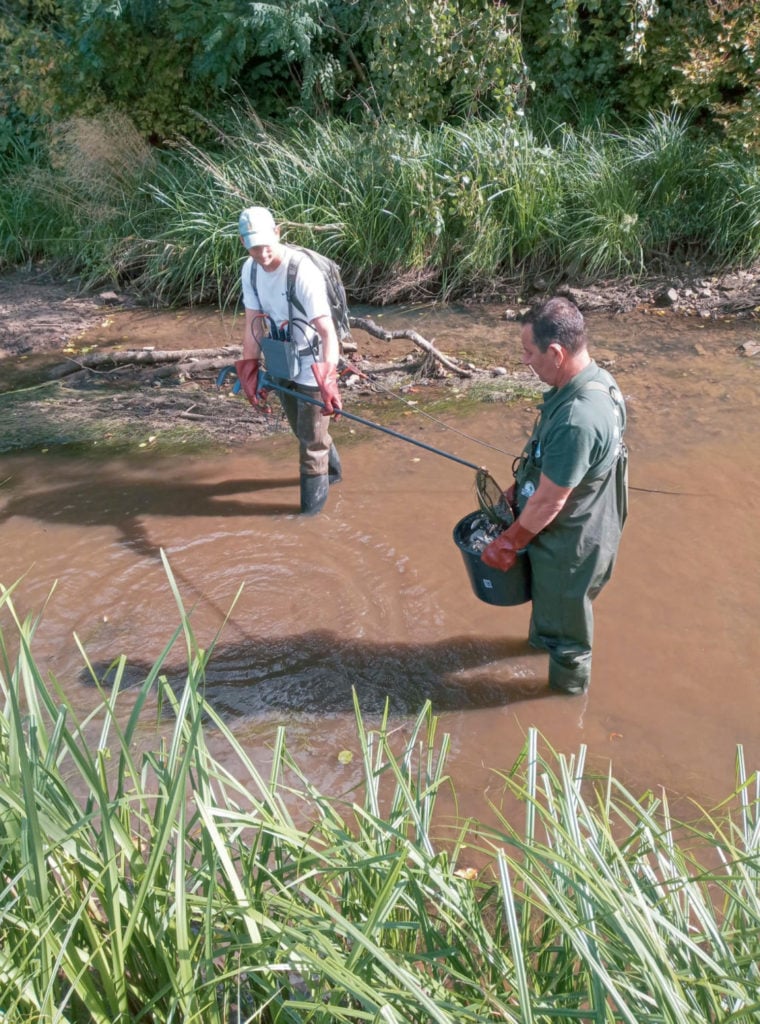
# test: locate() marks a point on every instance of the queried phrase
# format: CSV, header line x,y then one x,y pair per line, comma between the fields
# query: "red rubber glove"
x,y
248,375
326,375
502,552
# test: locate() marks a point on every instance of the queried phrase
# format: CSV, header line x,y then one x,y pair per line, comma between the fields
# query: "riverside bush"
x,y
173,67
175,887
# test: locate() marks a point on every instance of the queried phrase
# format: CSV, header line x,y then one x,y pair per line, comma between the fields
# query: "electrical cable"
x,y
438,451
369,423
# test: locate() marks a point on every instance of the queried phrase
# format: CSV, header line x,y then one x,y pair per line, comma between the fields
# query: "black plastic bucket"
x,y
492,585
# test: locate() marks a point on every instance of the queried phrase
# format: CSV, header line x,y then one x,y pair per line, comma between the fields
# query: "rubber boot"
x,y
334,471
571,679
314,491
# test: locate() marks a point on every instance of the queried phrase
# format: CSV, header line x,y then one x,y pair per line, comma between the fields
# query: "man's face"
x,y
545,365
266,256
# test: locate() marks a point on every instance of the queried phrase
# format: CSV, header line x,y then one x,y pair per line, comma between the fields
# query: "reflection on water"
x,y
372,596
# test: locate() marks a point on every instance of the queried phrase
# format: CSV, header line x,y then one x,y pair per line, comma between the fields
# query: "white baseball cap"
x,y
256,226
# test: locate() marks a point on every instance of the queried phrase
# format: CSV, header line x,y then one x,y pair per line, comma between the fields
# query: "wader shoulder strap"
x,y
612,391
620,464
620,467
621,483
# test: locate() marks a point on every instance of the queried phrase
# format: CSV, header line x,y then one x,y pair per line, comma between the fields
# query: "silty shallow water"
x,y
373,594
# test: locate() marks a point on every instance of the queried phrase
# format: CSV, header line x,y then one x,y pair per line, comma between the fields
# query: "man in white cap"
x,y
295,335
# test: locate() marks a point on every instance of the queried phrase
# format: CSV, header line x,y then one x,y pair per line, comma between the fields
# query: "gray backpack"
x,y
336,293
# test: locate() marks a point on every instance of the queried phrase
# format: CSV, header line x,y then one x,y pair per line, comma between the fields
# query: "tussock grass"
x,y
171,887
407,213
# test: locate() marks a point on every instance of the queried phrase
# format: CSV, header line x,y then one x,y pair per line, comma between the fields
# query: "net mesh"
x,y
491,499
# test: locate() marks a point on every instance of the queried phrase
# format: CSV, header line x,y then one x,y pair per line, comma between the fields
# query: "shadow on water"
x,y
315,674
119,502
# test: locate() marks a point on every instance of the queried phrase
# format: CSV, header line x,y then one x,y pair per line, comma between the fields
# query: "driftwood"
x,y
746,304
365,324
189,361
196,358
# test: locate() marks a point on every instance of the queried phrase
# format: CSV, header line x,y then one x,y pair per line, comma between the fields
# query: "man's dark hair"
x,y
558,321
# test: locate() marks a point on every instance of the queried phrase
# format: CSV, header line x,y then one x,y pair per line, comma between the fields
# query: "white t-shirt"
x,y
273,300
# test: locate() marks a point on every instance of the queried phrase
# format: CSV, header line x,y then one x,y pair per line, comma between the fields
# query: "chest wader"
x,y
573,557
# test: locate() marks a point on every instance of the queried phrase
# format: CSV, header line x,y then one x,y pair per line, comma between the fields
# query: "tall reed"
x,y
174,887
445,212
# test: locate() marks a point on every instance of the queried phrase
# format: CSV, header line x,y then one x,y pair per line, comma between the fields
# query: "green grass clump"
x,y
503,389
170,886
407,212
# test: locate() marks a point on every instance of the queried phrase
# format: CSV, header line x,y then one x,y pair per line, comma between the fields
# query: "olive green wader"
x,y
573,557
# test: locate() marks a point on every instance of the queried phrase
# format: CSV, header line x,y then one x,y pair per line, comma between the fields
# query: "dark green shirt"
x,y
583,428
577,437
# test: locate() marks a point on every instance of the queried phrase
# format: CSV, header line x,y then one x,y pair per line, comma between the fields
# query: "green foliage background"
x,y
176,67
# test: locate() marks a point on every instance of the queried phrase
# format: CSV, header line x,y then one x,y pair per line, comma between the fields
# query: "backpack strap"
x,y
253,284
293,300
290,291
290,288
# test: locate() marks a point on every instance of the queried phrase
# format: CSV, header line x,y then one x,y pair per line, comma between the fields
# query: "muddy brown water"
x,y
373,594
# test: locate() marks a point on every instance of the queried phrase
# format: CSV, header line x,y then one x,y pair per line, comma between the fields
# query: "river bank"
x,y
41,312
45,318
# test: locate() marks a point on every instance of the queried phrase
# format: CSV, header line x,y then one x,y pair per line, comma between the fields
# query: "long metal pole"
x,y
375,426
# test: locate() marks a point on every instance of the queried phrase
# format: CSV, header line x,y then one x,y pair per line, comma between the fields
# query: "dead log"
x,y
144,357
365,324
199,365
189,361
746,304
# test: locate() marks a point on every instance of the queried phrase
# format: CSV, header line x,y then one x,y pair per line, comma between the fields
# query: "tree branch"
x,y
188,361
365,324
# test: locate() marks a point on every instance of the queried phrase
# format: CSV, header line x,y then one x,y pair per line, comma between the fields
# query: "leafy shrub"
x,y
446,60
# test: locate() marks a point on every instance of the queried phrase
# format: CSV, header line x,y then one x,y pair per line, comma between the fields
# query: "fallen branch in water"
x,y
365,324
190,361
204,357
